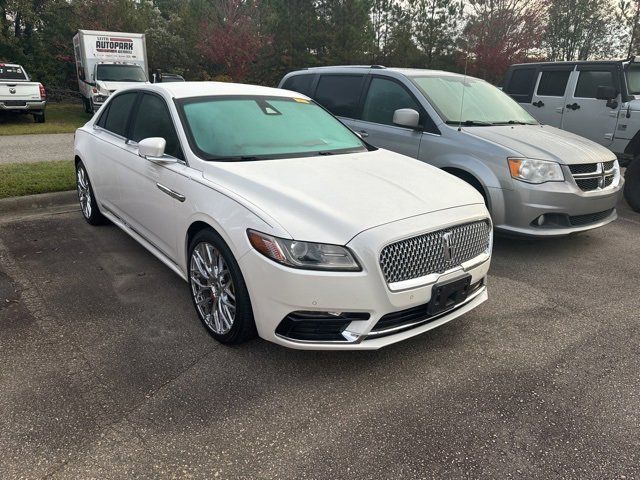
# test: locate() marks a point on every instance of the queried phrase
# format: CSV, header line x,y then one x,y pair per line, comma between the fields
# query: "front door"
x,y
584,114
548,100
385,96
151,190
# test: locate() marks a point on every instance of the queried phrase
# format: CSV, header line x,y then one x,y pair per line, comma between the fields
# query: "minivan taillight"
x,y
43,93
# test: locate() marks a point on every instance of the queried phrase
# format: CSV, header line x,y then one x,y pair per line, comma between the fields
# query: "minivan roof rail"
x,y
345,66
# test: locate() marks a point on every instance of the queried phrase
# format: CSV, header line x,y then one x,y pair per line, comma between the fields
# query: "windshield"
x,y
120,73
484,104
633,79
12,73
261,127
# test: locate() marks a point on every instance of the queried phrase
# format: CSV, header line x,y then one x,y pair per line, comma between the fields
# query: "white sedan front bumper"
x,y
277,291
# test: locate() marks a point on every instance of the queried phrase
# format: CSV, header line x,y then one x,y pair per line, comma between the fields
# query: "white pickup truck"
x,y
18,94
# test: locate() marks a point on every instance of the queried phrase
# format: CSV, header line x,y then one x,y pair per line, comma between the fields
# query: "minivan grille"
x,y
592,176
434,252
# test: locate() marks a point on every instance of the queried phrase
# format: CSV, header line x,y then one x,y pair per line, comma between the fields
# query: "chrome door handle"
x,y
364,133
171,193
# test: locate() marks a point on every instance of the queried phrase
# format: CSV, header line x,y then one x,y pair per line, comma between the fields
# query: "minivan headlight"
x,y
535,171
307,255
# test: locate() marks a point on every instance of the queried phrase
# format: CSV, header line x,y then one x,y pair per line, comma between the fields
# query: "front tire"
x,y
218,290
632,184
87,198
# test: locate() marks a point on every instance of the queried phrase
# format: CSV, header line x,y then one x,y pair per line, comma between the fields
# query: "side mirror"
x,y
406,117
153,149
606,92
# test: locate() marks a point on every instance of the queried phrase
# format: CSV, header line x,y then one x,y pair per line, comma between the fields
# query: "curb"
x,y
31,203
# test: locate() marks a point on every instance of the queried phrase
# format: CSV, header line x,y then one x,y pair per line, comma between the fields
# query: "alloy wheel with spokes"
x,y
86,197
84,191
212,288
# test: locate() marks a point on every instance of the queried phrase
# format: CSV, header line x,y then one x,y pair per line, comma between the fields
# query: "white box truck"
x,y
107,61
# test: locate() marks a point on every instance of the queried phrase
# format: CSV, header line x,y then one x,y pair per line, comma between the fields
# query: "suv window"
x,y
383,99
553,83
299,83
521,81
340,94
590,80
118,114
153,120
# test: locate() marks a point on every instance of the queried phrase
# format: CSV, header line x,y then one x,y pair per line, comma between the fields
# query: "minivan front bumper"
x,y
556,208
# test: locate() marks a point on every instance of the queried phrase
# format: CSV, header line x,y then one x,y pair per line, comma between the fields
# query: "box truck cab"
x,y
107,61
599,100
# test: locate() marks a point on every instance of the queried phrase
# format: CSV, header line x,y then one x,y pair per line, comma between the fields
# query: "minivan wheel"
x,y
87,198
218,290
632,184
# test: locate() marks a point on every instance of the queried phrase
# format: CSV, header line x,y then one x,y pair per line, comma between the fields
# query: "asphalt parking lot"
x,y
107,373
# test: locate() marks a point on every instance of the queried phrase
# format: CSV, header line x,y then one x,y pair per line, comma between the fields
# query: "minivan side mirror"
x,y
152,148
606,92
406,117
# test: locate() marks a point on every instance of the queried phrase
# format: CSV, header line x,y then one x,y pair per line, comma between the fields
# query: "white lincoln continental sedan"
x,y
283,222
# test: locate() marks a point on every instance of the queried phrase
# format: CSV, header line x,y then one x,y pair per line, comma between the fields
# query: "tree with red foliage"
x,y
500,33
230,39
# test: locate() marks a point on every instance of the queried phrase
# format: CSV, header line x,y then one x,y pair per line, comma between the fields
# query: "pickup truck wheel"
x,y
38,117
87,198
87,105
632,184
218,290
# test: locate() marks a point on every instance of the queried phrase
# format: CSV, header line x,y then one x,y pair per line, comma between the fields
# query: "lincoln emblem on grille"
x,y
447,246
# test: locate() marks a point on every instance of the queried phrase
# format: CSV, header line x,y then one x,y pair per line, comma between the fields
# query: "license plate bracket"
x,y
447,295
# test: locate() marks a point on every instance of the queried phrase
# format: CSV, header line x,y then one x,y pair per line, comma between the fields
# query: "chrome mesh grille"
x,y
425,254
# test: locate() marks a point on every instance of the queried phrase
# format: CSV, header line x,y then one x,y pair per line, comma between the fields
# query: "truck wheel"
x,y
632,184
38,117
87,105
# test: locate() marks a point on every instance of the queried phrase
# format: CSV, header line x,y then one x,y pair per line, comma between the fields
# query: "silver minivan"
x,y
536,179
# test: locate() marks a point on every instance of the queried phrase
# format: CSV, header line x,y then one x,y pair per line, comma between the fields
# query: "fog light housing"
x,y
308,326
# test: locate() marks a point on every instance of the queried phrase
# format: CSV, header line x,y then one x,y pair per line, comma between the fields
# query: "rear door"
x,y
583,113
548,100
383,97
519,85
340,94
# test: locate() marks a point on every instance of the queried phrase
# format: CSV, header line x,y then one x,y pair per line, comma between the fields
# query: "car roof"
x,y
570,62
375,69
203,89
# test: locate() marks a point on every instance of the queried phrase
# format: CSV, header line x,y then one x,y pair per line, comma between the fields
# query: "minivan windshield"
x,y
633,79
484,104
237,128
120,73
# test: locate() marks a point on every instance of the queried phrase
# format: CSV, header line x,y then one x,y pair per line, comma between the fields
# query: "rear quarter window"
x,y
340,94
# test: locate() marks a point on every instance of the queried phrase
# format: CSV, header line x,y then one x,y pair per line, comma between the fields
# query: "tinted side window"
x,y
553,83
340,94
299,83
153,120
383,98
590,80
521,82
118,114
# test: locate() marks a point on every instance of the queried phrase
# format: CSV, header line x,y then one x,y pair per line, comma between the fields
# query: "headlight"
x,y
535,171
308,255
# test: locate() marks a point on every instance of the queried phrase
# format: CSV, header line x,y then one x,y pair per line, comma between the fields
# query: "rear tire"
x,y
218,290
86,197
632,184
87,105
39,117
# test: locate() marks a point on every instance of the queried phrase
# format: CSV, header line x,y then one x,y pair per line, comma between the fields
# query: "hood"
x,y
331,199
113,86
543,142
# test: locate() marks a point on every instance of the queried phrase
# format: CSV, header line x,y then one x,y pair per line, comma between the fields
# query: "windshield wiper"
x,y
513,122
469,123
